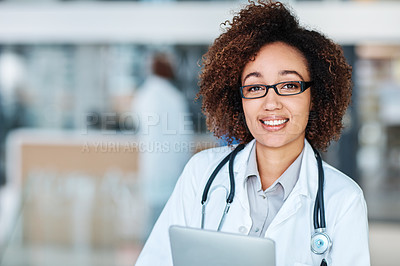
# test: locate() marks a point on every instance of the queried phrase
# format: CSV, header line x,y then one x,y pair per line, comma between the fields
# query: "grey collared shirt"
x,y
264,205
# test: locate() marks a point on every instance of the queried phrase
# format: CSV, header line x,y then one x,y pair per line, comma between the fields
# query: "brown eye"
x,y
255,88
291,86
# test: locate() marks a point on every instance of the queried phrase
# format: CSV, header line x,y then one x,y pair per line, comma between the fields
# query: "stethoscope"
x,y
320,241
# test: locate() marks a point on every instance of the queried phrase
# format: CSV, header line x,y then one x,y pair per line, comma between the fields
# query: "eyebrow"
x,y
288,72
281,73
252,74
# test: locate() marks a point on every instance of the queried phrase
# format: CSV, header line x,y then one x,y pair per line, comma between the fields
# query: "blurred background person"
x,y
12,108
164,134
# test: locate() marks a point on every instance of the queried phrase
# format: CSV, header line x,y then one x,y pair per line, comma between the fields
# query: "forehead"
x,y
275,58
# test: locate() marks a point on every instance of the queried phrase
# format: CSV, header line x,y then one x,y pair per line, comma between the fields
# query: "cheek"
x,y
300,111
304,105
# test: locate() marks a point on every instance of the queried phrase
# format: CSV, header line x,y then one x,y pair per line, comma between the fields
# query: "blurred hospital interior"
x,y
72,186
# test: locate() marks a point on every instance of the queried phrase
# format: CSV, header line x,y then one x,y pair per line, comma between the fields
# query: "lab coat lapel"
x,y
240,208
304,190
240,170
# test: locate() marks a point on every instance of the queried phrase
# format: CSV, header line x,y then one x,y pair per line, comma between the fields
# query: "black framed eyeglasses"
x,y
286,88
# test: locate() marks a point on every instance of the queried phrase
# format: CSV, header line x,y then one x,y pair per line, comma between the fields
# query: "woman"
x,y
281,90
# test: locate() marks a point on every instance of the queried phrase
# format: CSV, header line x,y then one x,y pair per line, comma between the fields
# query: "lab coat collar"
x,y
305,188
308,178
241,160
306,184
239,168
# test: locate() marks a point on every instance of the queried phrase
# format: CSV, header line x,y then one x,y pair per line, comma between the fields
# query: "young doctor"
x,y
281,90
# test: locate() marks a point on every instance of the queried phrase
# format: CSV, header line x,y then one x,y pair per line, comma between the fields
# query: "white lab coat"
x,y
291,229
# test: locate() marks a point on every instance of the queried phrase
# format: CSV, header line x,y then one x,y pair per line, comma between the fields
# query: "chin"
x,y
271,142
278,141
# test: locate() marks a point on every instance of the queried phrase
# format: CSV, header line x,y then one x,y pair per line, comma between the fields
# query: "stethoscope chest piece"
x,y
320,242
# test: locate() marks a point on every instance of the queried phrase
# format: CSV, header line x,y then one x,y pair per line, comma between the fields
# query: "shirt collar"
x,y
287,180
252,163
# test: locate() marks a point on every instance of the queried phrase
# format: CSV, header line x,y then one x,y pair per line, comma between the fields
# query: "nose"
x,y
272,101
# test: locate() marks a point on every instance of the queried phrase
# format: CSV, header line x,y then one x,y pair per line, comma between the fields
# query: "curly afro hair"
x,y
253,27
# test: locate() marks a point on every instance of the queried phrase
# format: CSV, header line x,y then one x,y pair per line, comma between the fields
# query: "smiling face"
x,y
277,121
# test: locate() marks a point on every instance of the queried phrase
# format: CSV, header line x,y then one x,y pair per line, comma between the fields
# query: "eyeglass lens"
x,y
282,88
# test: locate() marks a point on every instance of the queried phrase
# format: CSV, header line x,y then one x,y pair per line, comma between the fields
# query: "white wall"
x,y
182,22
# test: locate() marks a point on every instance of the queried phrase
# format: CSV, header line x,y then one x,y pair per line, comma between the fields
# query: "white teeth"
x,y
274,122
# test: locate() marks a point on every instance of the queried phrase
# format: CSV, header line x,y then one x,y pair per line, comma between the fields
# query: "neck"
x,y
273,162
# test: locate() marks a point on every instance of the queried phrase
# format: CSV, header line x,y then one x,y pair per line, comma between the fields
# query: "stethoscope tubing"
x,y
320,241
319,209
230,157
229,199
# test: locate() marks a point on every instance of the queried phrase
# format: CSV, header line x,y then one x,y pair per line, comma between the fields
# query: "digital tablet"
x,y
196,247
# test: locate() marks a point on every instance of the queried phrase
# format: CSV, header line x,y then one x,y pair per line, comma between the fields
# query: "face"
x,y
277,121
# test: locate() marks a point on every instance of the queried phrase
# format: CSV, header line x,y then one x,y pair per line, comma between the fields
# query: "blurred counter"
x,y
76,198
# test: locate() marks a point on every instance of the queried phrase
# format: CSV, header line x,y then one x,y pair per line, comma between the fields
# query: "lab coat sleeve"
x,y
350,237
177,211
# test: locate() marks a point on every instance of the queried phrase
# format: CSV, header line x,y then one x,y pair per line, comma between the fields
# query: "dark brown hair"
x,y
256,25
162,67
